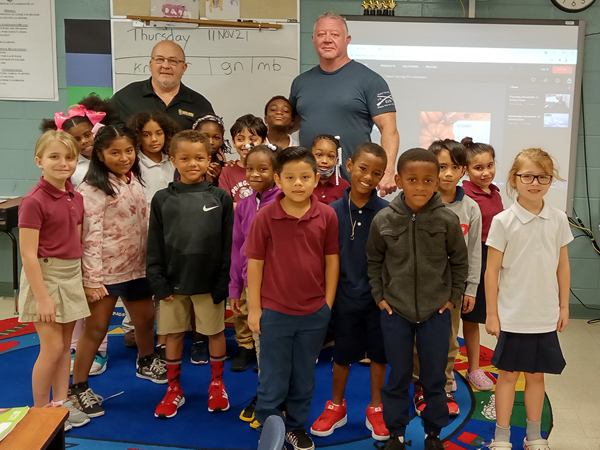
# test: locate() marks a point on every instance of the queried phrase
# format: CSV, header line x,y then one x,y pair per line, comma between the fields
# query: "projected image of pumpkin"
x,y
438,125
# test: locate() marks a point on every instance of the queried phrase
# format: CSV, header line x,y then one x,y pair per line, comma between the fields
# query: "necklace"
x,y
352,223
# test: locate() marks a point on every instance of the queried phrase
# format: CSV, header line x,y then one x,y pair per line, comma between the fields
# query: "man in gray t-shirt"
x,y
345,98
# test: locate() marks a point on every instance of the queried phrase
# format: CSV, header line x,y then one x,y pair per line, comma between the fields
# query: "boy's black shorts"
x,y
357,331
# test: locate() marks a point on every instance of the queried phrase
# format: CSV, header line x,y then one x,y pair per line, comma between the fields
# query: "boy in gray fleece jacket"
x,y
417,265
452,157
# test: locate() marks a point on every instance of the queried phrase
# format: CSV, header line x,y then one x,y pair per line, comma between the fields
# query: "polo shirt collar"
x,y
54,191
147,89
182,94
279,213
478,191
525,216
369,205
148,162
460,194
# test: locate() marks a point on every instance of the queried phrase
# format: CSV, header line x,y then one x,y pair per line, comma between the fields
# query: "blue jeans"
x,y
432,336
289,348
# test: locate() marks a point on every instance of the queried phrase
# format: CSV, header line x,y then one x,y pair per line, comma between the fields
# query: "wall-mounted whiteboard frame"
x,y
243,92
561,195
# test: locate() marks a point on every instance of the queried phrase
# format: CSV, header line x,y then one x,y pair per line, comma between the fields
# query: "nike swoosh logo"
x,y
208,209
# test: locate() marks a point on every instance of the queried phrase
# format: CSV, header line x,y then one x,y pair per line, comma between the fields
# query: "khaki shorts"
x,y
64,284
175,315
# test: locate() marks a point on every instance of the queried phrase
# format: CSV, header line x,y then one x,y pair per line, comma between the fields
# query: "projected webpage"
x,y
473,80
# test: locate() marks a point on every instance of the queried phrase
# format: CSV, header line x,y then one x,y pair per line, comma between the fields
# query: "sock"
x,y
534,431
502,434
174,371
217,365
103,354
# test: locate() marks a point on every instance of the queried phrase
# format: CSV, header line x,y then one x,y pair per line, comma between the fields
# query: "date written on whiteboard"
x,y
222,35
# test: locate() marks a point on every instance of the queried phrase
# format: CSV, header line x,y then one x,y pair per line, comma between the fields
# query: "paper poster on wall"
x,y
179,9
28,51
223,9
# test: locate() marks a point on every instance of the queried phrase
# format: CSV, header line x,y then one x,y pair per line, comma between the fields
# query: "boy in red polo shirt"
x,y
293,270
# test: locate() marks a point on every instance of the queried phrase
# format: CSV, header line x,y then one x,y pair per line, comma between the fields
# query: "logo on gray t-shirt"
x,y
384,99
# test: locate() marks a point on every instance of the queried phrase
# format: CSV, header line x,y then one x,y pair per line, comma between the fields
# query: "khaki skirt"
x,y
63,281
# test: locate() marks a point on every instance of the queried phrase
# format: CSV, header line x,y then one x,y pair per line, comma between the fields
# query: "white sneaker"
x,y
99,364
76,417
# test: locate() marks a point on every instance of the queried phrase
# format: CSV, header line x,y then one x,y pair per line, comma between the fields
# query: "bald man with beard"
x,y
163,91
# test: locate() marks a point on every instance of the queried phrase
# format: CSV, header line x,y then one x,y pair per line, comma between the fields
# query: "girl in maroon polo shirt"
x,y
481,169
328,153
83,121
52,293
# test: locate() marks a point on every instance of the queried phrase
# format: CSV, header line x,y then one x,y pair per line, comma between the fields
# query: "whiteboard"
x,y
237,70
514,84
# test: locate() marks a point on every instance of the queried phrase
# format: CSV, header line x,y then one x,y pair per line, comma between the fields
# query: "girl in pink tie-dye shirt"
x,y
115,232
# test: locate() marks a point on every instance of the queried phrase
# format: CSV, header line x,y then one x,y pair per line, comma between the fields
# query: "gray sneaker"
x,y
153,369
68,425
76,417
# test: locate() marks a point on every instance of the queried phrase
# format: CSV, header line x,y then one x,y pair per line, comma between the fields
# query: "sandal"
x,y
538,444
499,445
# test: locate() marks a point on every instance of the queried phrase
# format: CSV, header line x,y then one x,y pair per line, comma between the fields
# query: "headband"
x,y
209,118
79,111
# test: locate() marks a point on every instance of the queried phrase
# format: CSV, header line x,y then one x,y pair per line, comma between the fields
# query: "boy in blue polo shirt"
x,y
356,317
293,269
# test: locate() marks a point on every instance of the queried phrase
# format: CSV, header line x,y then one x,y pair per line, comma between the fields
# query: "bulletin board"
x,y
249,9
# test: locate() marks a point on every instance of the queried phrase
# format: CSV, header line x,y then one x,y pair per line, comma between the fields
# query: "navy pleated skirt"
x,y
531,353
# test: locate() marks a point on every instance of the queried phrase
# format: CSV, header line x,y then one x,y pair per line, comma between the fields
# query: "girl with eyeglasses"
x,y
527,292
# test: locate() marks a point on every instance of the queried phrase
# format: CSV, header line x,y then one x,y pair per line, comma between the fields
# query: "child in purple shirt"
x,y
260,168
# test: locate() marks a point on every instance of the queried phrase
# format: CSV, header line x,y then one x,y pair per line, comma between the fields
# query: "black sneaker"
x,y
247,414
432,442
161,351
152,368
300,440
243,359
391,444
199,353
85,400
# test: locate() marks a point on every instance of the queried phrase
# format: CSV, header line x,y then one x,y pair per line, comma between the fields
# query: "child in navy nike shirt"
x,y
188,258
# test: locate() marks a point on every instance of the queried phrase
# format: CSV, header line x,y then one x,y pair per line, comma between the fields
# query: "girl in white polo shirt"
x,y
527,291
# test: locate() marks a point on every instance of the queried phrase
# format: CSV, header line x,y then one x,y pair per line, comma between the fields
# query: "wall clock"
x,y
573,5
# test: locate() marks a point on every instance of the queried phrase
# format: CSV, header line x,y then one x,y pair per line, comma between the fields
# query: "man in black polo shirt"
x,y
163,91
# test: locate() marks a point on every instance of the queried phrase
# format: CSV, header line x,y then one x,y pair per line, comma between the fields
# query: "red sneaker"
x,y
333,417
419,400
217,397
453,408
174,398
376,424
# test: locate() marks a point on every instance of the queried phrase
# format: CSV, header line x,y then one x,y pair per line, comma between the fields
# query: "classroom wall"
x,y
19,120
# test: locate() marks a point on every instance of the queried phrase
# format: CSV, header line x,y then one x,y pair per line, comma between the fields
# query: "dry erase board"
x,y
237,70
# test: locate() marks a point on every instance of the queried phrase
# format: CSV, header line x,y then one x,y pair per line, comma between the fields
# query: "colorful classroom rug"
x,y
129,422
